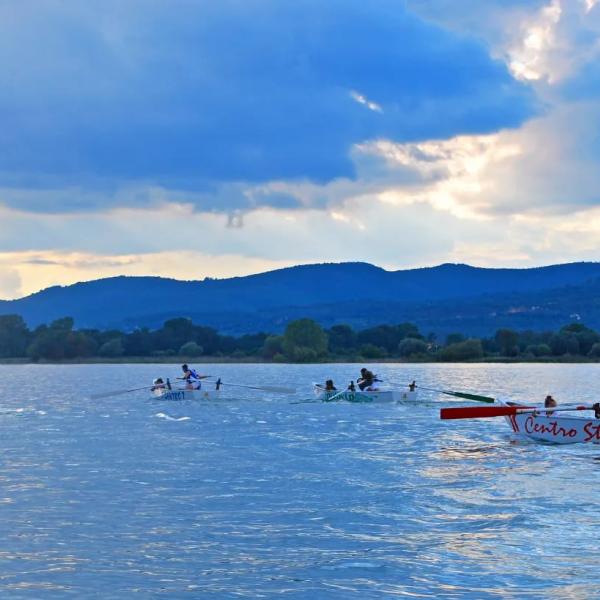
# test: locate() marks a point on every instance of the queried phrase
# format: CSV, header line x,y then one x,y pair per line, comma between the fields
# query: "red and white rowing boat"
x,y
556,425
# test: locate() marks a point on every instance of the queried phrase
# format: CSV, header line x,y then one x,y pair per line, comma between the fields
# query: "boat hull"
x,y
178,395
377,397
556,428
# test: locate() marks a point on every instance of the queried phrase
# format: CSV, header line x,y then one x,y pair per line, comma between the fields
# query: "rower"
x,y
191,378
329,387
158,386
412,386
550,402
367,381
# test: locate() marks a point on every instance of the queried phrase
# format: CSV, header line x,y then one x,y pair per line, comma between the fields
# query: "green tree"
x,y
372,351
507,342
564,343
273,346
408,330
139,343
543,350
454,338
64,324
80,345
412,347
249,344
174,333
585,336
208,338
14,336
304,341
595,350
112,349
388,336
51,343
191,349
342,339
48,343
468,350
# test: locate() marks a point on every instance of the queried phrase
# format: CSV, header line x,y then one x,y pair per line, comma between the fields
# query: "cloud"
x,y
546,167
389,231
191,139
112,104
10,283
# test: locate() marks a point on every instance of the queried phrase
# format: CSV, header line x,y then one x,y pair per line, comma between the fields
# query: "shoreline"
x,y
257,360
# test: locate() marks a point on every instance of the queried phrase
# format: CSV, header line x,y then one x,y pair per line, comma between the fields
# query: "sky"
x,y
195,139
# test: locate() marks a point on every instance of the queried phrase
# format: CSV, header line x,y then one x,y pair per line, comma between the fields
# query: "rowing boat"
x,y
165,394
375,396
553,427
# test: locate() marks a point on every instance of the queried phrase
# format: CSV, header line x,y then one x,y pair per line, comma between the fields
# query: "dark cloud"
x,y
41,261
195,96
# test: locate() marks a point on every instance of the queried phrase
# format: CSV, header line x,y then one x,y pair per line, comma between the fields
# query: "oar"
x,y
119,392
476,397
263,388
336,396
484,412
196,379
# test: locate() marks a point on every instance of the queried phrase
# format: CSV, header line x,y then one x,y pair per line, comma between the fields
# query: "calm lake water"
x,y
273,496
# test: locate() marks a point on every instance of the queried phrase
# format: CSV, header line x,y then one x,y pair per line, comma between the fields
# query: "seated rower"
x,y
351,387
158,386
550,402
329,387
365,380
191,378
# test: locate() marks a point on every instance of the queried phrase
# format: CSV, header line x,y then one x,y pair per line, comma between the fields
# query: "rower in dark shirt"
x,y
366,379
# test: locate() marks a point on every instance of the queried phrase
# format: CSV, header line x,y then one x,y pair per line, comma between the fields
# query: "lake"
x,y
270,496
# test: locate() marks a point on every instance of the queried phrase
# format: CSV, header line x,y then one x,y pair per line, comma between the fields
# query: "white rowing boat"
x,y
552,426
375,396
165,394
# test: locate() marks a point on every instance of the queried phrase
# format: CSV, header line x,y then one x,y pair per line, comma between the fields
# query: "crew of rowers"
x,y
367,382
193,381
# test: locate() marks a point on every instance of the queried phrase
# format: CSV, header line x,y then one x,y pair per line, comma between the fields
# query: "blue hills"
x,y
445,298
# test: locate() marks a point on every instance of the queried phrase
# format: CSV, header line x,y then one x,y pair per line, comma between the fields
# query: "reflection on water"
x,y
270,496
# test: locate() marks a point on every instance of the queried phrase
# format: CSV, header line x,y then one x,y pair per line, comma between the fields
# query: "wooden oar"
x,y
263,388
484,412
119,392
466,396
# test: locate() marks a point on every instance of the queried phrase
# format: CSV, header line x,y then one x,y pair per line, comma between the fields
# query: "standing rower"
x,y
191,378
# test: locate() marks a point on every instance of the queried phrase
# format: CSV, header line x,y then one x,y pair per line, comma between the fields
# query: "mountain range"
x,y
442,299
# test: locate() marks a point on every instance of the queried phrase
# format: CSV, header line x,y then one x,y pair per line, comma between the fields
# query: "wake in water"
x,y
170,418
26,410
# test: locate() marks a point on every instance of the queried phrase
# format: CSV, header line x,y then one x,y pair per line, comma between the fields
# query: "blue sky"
x,y
193,139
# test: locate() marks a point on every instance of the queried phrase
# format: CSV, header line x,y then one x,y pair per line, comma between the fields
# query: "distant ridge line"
x,y
354,291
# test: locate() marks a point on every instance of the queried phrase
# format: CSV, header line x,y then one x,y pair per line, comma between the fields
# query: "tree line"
x,y
304,340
